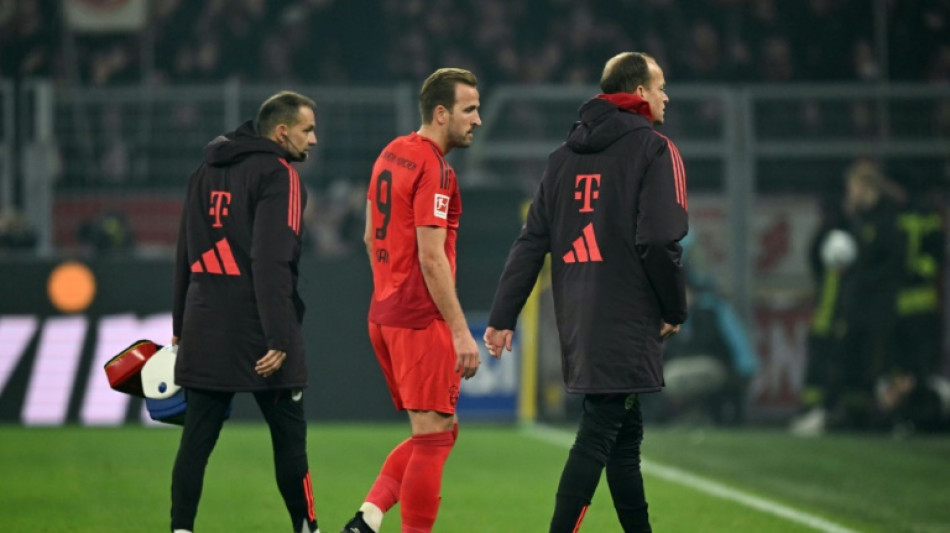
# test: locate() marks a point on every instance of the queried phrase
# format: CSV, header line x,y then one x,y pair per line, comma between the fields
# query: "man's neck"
x,y
436,135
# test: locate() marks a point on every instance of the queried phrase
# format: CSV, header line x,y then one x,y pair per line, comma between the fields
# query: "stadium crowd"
x,y
506,41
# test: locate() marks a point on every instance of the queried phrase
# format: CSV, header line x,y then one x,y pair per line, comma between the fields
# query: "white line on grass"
x,y
681,477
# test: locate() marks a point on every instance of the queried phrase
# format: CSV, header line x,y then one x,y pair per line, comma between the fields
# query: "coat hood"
x,y
232,147
602,122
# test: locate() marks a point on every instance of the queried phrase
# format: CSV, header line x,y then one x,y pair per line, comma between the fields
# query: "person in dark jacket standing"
x,y
237,313
611,209
868,295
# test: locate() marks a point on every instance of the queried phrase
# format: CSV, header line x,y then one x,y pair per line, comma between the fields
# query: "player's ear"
x,y
441,114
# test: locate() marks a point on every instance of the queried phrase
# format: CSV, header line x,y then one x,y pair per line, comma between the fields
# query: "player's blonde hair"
x,y
439,89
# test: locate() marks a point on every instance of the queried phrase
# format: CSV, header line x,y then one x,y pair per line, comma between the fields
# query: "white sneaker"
x,y
810,424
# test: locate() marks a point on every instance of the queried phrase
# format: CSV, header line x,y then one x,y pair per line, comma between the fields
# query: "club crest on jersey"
x,y
441,206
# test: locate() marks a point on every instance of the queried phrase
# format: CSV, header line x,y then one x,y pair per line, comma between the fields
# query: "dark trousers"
x,y
610,434
204,417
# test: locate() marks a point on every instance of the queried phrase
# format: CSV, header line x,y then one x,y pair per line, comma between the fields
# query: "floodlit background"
x,y
105,106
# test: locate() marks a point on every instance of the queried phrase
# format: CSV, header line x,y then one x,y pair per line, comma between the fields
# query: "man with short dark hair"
x,y
416,324
237,313
611,209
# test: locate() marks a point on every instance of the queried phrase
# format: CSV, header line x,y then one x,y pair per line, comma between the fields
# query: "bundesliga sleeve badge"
x,y
441,206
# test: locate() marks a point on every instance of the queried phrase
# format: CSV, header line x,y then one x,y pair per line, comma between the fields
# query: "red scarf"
x,y
630,102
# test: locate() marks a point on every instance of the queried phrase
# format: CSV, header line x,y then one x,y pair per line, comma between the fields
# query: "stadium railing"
x,y
758,158
116,147
6,145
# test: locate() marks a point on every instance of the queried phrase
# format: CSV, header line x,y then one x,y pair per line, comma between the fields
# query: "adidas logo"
x,y
585,248
211,263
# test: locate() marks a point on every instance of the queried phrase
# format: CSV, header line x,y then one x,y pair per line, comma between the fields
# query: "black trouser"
x,y
864,357
916,346
204,417
610,433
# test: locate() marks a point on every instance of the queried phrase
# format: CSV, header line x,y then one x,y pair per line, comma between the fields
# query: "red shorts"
x,y
419,366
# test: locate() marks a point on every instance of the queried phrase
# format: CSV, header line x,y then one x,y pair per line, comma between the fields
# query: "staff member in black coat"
x,y
237,313
611,208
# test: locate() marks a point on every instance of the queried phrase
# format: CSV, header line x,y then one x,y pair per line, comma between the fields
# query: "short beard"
x,y
460,141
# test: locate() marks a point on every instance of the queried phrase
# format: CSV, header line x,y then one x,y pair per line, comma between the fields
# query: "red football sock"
x,y
423,481
385,490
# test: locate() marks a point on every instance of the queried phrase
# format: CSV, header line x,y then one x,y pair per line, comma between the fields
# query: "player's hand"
x,y
270,363
498,339
466,350
668,330
174,341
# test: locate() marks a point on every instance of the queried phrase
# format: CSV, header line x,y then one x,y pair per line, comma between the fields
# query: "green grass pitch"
x,y
498,479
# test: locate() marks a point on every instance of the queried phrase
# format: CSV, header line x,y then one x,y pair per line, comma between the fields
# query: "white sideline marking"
x,y
681,477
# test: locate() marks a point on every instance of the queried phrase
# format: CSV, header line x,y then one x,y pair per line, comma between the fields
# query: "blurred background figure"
x,y
108,231
869,291
16,233
875,339
831,251
911,393
710,363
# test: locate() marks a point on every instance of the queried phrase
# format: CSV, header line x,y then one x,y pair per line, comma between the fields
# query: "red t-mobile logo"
x,y
586,185
219,206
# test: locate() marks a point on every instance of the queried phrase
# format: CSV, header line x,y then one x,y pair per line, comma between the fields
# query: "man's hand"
x,y
668,330
174,341
497,339
270,363
466,349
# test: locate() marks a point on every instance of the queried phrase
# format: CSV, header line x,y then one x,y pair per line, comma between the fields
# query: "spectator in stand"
x,y
515,41
29,42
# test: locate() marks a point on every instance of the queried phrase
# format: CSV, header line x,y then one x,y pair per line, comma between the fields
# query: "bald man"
x,y
610,209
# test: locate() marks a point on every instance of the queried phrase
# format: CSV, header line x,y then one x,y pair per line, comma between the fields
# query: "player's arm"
x,y
368,233
661,223
437,273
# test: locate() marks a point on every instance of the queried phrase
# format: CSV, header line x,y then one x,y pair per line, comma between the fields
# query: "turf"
x,y
499,479
869,481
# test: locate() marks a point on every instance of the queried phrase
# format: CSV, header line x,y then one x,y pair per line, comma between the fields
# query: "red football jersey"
x,y
412,185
